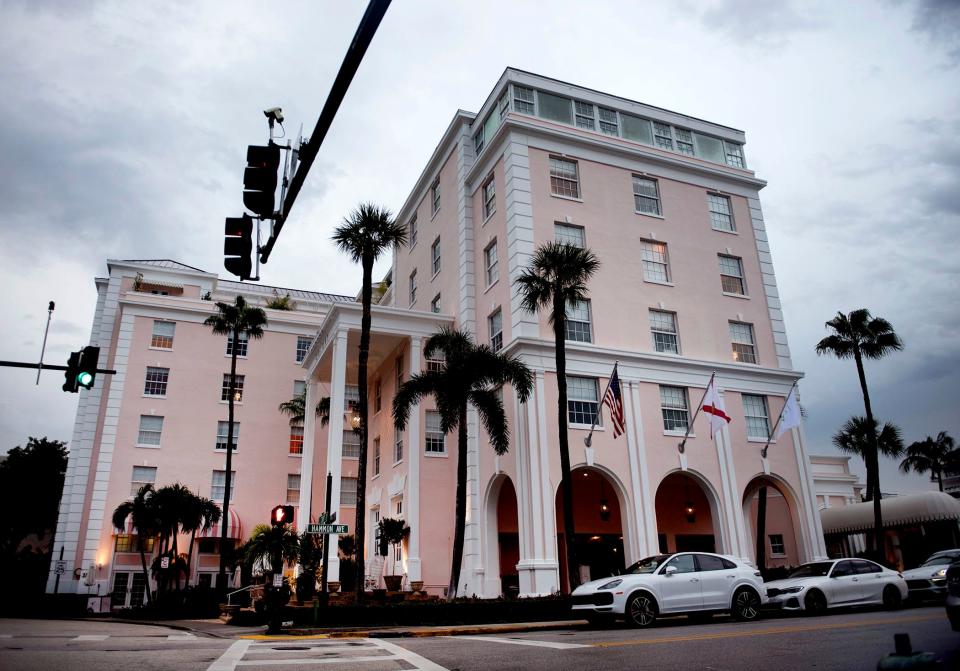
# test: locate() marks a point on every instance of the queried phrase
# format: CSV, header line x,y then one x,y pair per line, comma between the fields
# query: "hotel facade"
x,y
686,289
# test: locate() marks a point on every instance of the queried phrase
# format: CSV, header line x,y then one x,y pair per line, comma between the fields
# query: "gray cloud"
x,y
768,24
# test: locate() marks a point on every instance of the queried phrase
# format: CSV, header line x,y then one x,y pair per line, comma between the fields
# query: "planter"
x,y
416,585
393,582
333,587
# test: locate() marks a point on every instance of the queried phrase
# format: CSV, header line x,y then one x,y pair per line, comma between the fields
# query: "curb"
x,y
155,623
420,632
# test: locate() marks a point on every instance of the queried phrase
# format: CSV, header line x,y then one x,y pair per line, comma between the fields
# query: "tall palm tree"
x,y
854,438
175,508
366,233
274,544
232,321
295,409
861,336
470,375
932,455
202,515
557,277
144,515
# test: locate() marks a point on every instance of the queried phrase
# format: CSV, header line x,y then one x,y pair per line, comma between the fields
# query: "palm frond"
x,y
368,231
494,419
410,393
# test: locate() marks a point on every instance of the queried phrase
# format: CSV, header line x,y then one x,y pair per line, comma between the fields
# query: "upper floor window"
x,y
564,180
721,216
151,426
684,141
299,387
162,337
433,433
398,449
435,363
663,328
303,346
554,107
435,255
351,444
578,321
755,412
583,400
523,99
495,324
435,304
222,435
731,275
351,394
570,234
412,230
478,142
241,344
608,121
646,197
398,370
584,115
490,263
734,154
218,484
413,287
662,136
435,196
296,440
293,489
156,381
741,337
674,408
654,259
348,491
376,456
377,396
142,475
489,197
237,388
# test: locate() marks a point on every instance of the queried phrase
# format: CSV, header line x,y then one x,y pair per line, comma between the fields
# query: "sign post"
x,y
324,594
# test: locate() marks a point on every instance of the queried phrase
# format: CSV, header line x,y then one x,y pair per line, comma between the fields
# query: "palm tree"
x,y
470,375
276,545
854,438
933,456
175,509
144,515
860,335
365,234
202,514
231,321
295,409
557,277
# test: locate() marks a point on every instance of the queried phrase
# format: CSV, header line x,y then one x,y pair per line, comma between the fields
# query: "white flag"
x,y
791,413
713,407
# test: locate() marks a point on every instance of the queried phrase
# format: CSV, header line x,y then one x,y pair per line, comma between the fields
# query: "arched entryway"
x,y
688,514
598,526
780,522
503,539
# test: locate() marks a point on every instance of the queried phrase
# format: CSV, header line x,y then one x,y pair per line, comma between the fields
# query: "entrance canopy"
x,y
234,529
896,511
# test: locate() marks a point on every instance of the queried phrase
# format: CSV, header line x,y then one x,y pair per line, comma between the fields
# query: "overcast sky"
x,y
124,128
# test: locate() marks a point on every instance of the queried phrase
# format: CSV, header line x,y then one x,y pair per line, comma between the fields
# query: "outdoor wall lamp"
x,y
604,510
355,421
690,512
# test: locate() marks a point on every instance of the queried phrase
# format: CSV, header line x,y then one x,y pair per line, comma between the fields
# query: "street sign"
x,y
164,562
61,567
326,528
278,580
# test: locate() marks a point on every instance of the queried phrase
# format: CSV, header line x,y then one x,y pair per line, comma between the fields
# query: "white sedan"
x,y
817,586
686,582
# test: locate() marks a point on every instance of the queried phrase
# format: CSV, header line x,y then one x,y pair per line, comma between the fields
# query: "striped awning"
x,y
896,511
234,530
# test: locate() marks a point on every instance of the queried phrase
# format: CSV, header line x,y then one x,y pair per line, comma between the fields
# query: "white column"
x,y
414,454
816,545
306,458
644,534
730,501
338,380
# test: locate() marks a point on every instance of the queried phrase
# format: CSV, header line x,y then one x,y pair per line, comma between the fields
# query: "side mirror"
x,y
669,571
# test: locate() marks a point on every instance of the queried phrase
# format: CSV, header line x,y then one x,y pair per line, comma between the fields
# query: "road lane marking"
x,y
524,641
186,636
419,663
764,632
228,660
92,637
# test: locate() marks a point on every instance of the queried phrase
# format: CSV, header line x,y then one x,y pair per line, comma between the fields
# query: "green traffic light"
x,y
85,379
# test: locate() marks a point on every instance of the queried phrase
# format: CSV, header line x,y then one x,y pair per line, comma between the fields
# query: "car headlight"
x,y
792,590
942,573
611,584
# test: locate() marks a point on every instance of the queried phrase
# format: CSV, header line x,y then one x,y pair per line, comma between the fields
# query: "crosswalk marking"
x,y
345,654
91,637
228,660
524,641
184,636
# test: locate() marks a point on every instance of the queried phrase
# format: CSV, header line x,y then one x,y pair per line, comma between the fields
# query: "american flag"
x,y
613,399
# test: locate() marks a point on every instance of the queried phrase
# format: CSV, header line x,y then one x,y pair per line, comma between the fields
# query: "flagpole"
x,y
683,443
589,438
763,452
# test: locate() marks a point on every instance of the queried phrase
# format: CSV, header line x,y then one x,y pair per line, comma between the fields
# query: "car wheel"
x,y
746,605
641,610
891,598
815,603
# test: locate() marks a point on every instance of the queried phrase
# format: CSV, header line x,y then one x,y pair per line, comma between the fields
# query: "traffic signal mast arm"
x,y
308,152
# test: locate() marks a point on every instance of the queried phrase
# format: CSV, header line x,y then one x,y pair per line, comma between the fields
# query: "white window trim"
x,y
486,267
439,260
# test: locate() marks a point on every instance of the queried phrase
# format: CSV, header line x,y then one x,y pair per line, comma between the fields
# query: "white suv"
x,y
670,584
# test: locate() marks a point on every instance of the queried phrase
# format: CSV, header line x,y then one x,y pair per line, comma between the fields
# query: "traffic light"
x,y
73,369
260,179
281,515
238,245
89,359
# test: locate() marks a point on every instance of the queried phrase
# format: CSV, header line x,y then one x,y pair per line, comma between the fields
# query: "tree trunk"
x,y
762,530
366,298
222,574
193,538
176,555
873,464
143,564
940,479
461,504
559,337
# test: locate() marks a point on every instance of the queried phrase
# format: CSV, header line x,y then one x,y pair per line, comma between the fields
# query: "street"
x,y
845,641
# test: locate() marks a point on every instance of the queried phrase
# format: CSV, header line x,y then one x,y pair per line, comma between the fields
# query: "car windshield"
x,y
648,565
942,560
815,570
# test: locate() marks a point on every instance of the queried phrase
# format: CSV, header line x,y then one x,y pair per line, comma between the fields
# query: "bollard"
x,y
904,657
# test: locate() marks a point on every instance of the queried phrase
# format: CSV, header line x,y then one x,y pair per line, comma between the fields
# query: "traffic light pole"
x,y
25,364
43,348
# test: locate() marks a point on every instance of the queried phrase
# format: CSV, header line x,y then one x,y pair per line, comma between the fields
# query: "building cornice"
x,y
195,309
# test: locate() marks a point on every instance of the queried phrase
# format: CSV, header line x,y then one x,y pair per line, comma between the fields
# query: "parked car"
x,y
953,595
929,580
669,584
815,587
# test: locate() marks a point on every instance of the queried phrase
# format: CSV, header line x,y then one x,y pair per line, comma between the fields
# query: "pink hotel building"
x,y
686,288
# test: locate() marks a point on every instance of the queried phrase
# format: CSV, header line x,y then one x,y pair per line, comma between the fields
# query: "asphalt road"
x,y
845,641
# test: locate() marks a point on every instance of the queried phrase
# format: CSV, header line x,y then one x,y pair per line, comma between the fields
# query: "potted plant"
x,y
392,532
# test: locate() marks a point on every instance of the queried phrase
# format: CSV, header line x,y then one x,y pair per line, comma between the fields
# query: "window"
x,y
734,154
151,426
435,304
377,396
584,114
637,129
776,545
435,196
398,449
142,475
646,198
162,337
293,489
478,141
222,435
661,136
376,456
219,482
710,148
490,263
731,275
351,444
582,400
563,178
398,370
119,594
714,563
156,381
433,433
242,343
296,440
348,491
303,346
413,287
207,546
435,255
351,394
673,405
489,197
608,121
654,257
684,141
435,364
571,235
237,388
721,216
504,104
578,321
412,231
554,108
523,99
299,387
495,324
128,543
755,412
663,328
741,337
